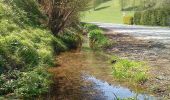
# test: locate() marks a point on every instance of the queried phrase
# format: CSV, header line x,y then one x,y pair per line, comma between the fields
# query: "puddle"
x,y
113,92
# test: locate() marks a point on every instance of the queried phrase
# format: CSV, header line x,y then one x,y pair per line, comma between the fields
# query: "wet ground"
x,y
87,75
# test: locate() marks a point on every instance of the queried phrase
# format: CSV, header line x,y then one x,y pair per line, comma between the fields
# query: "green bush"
x,y
33,83
90,27
156,17
71,38
128,20
137,17
25,84
97,39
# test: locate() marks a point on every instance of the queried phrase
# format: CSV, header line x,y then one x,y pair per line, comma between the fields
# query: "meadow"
x,y
107,12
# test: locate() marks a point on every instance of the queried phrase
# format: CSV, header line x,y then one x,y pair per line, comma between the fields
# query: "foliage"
x,y
63,13
33,83
128,20
131,70
140,5
156,17
89,27
29,9
71,38
25,84
97,39
137,17
27,49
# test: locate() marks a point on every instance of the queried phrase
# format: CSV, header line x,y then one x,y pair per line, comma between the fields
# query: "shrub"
x,y
157,17
90,27
33,83
131,70
128,20
25,84
137,17
71,38
97,39
9,82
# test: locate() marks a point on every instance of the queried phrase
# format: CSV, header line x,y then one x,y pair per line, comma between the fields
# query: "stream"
x,y
87,75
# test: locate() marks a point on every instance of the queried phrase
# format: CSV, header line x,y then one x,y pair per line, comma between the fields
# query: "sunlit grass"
x,y
133,71
109,12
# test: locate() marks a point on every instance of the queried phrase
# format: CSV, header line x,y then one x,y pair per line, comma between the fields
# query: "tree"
x,y
62,13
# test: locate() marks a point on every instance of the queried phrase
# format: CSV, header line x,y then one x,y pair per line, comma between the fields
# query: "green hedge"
x,y
155,17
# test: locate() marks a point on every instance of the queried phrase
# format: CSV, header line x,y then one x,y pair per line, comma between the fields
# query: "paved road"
x,y
157,34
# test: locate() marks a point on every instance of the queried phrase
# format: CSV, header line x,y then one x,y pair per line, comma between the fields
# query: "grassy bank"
x,y
123,69
108,12
27,49
97,40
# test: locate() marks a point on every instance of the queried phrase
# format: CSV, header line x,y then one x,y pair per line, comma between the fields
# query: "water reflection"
x,y
73,79
112,92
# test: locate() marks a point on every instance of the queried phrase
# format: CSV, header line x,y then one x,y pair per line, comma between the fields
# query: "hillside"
x,y
109,12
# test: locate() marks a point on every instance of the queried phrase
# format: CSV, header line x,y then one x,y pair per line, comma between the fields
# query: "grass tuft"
x,y
132,70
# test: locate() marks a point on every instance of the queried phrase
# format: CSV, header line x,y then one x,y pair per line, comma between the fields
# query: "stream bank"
x,y
87,75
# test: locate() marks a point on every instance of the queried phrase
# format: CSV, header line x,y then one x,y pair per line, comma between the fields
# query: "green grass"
x,y
97,40
109,12
27,50
133,71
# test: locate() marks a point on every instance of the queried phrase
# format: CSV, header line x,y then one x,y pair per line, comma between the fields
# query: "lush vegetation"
x,y
96,37
140,5
28,47
148,12
132,70
159,17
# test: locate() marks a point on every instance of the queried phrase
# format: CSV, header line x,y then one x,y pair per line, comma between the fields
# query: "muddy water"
x,y
87,75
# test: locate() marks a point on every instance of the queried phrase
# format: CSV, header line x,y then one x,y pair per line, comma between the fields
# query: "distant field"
x,y
109,12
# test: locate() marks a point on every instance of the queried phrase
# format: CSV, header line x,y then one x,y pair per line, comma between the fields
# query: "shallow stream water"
x,y
87,75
